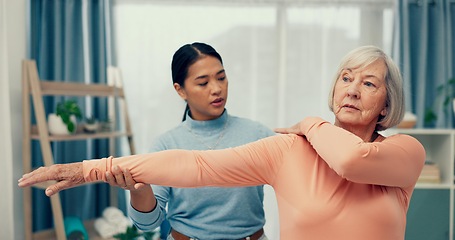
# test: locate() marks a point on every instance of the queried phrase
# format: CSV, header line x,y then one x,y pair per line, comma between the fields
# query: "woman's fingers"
x,y
41,174
287,130
139,185
115,178
59,186
118,176
128,178
121,178
294,129
111,179
281,130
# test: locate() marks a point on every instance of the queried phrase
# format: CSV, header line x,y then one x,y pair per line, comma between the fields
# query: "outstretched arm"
x,y
248,165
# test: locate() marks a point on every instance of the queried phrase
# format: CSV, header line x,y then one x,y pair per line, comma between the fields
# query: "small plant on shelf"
x,y
446,91
65,110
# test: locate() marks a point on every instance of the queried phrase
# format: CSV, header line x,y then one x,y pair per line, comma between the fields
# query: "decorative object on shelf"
x,y
430,173
68,112
447,92
106,126
57,126
91,125
409,121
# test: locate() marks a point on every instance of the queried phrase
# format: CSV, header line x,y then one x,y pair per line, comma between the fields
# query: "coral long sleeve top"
x,y
329,184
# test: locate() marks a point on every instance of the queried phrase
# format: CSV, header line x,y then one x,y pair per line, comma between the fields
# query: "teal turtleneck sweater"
x,y
208,213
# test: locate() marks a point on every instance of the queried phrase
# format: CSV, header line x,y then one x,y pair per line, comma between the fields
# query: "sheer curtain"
x,y
280,57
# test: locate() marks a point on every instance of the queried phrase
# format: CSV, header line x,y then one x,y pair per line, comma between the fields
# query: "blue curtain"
x,y
423,46
68,40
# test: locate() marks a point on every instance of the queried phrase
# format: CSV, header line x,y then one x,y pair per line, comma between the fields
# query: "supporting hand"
x,y
123,179
141,194
67,176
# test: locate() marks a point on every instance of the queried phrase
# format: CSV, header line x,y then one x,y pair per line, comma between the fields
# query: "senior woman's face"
x,y
360,95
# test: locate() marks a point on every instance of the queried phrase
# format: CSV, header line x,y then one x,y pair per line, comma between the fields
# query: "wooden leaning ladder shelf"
x,y
34,88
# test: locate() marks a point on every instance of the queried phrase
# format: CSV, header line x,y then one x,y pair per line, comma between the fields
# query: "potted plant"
x,y
63,121
446,91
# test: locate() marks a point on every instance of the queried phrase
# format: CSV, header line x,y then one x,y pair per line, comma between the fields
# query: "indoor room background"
x,y
280,57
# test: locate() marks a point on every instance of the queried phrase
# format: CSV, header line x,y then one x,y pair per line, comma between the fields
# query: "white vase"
x,y
453,105
57,126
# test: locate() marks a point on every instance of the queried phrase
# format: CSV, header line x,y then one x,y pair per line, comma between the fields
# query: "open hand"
x,y
123,179
67,176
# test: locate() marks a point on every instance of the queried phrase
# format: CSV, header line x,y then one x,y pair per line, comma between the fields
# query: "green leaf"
x,y
430,117
130,233
70,126
65,110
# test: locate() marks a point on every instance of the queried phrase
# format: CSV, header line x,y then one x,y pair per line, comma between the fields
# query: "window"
x,y
280,58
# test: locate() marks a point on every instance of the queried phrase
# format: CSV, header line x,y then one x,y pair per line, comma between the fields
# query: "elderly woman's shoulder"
x,y
401,139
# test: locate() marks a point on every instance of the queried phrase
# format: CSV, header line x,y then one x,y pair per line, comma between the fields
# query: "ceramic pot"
x,y
57,126
91,127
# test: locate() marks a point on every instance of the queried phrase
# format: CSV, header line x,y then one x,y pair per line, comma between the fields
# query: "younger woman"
x,y
203,213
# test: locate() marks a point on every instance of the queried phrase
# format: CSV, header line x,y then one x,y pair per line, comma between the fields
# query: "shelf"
x,y
80,135
79,89
434,186
439,146
33,91
423,130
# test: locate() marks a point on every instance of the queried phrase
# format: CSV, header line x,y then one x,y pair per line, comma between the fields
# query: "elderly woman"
x,y
332,181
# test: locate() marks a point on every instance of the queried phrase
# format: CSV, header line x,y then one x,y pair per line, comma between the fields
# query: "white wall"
x,y
12,51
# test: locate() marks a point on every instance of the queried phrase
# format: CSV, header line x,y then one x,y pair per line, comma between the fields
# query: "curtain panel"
x,y
424,40
68,40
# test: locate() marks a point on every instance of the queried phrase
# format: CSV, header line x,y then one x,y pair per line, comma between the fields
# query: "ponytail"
x,y
187,109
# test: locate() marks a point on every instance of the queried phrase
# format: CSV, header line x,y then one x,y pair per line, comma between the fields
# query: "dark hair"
x,y
184,57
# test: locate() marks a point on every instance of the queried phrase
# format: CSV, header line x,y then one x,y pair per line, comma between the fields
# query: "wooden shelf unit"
x,y
33,91
439,146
